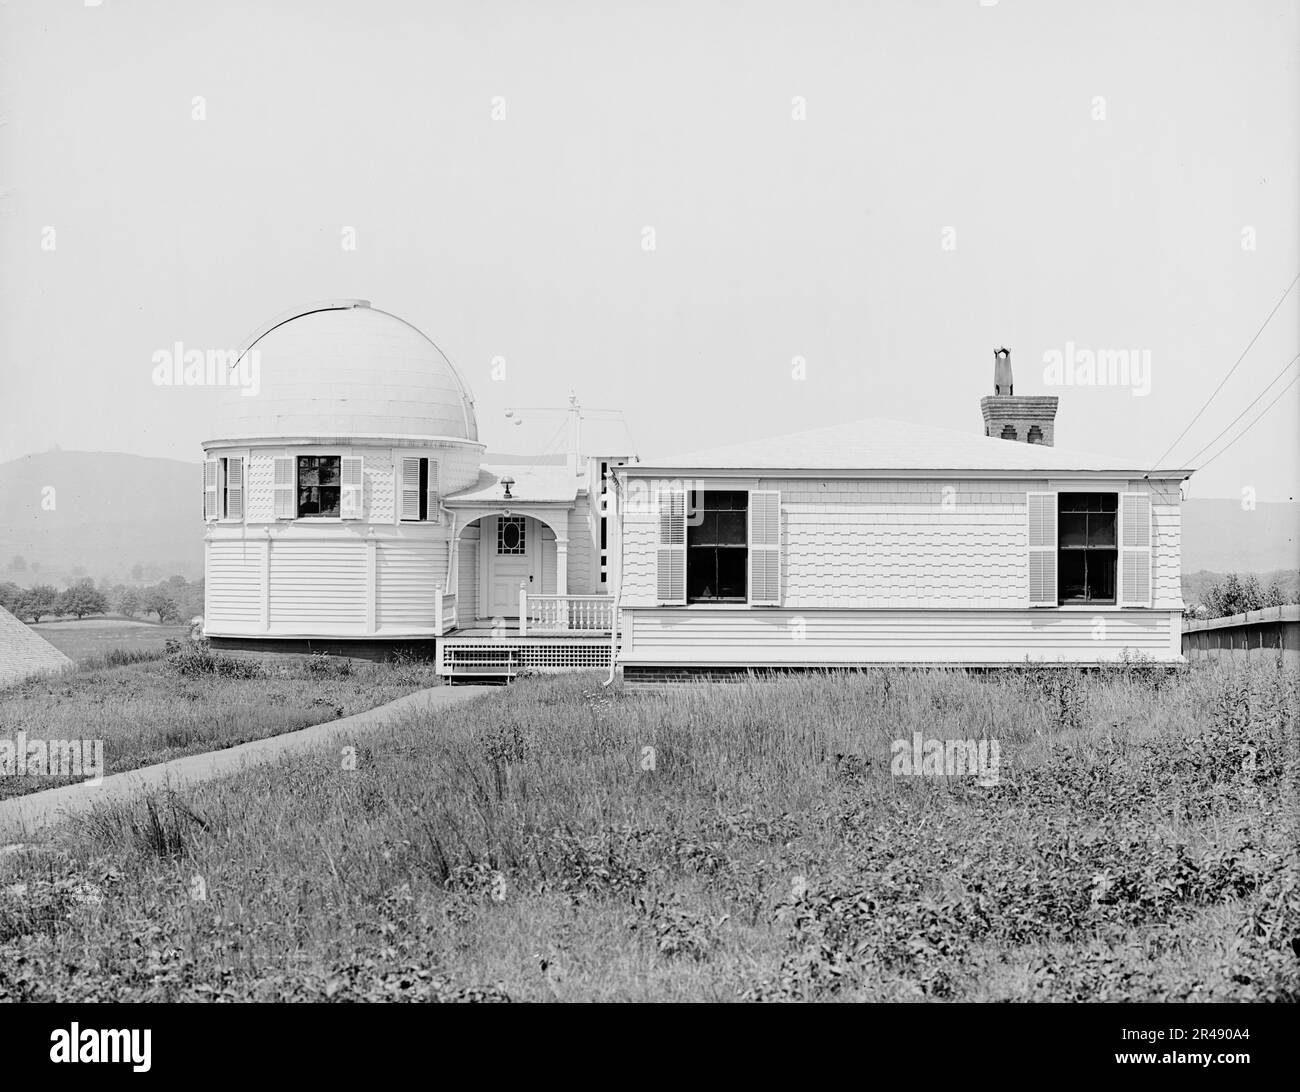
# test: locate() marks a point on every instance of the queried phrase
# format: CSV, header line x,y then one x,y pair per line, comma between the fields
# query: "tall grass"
x,y
149,710
525,846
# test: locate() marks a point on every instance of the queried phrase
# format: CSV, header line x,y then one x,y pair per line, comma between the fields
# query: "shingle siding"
x,y
900,544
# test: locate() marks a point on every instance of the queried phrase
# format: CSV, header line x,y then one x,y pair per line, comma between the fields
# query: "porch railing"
x,y
564,613
444,611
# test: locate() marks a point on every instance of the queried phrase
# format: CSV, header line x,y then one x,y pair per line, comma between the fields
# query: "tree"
x,y
128,602
1275,596
82,598
137,571
38,602
1233,595
159,601
18,564
9,595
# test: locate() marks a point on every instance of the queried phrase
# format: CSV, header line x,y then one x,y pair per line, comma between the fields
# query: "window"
x,y
1086,547
1008,432
419,486
1035,434
319,485
232,488
604,522
510,535
717,546
223,488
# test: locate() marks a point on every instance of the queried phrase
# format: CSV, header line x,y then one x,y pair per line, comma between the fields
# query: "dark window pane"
x,y
1074,530
1072,568
731,528
731,573
329,500
1101,529
705,530
701,573
1101,574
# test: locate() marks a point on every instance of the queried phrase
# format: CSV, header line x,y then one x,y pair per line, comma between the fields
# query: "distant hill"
x,y
115,511
111,512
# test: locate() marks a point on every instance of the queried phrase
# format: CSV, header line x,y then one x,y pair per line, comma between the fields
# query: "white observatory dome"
x,y
341,368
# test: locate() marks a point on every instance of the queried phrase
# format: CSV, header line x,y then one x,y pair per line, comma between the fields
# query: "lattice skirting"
x,y
498,657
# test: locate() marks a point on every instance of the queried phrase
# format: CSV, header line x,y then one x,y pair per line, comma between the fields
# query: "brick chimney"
x,y
1029,418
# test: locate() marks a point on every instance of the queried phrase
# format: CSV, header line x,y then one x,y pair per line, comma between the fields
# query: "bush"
x,y
195,659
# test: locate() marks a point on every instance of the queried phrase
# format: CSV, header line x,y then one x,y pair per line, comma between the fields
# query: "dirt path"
x,y
22,818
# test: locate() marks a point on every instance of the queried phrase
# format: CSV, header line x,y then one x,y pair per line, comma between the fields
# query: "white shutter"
x,y
670,563
434,515
1134,579
351,502
286,489
234,488
410,487
209,489
1042,549
765,547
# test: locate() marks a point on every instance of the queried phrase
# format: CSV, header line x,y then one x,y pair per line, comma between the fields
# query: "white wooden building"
x,y
880,542
350,507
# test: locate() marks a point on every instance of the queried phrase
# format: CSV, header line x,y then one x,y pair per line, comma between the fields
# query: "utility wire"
x,y
1243,413
1230,371
1252,424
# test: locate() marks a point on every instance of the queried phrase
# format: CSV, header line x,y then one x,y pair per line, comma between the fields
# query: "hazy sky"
x,y
1029,174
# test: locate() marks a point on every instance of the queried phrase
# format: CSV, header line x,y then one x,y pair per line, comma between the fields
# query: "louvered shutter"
x,y
410,488
670,563
1134,550
234,488
765,547
1042,549
210,471
351,506
286,490
433,513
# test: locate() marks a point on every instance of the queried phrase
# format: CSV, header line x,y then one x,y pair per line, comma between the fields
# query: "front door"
x,y
513,549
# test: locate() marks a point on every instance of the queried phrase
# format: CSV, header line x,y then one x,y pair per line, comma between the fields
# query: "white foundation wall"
x,y
879,545
771,636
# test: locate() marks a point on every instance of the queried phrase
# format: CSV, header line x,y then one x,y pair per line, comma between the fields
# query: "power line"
x,y
1230,371
1252,424
1243,413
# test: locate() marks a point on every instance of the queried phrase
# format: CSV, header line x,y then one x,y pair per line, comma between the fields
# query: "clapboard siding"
x,y
406,576
318,581
584,560
467,582
768,636
233,584
884,545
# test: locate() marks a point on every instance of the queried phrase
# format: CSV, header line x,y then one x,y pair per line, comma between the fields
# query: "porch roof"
x,y
533,484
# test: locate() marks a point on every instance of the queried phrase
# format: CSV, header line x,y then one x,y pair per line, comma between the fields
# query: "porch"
x,y
550,633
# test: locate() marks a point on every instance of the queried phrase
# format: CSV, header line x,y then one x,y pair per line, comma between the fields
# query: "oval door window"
x,y
510,535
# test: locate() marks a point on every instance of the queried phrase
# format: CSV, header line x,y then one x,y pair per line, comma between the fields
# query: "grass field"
x,y
147,712
1140,844
91,637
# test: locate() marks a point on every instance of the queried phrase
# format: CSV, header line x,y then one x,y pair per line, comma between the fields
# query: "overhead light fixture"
x,y
507,481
